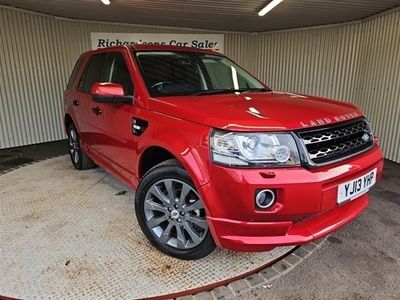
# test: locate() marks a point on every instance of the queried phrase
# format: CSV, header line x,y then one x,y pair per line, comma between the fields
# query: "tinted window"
x,y
75,72
190,73
92,73
170,74
116,71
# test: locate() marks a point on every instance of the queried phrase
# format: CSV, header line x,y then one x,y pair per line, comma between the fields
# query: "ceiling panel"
x,y
227,15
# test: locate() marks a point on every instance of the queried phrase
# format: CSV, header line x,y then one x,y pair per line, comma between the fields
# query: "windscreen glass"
x,y
190,73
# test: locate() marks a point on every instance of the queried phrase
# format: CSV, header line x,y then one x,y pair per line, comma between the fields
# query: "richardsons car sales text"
x,y
204,44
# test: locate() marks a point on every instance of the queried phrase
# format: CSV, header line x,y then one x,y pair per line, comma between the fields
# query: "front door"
x,y
115,141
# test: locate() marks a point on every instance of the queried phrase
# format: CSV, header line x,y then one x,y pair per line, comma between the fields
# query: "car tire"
x,y
176,227
80,160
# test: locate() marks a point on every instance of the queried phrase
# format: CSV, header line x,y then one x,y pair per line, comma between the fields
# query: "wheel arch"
x,y
67,121
189,158
151,157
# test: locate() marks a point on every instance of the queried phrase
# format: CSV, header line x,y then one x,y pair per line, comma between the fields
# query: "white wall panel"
x,y
37,53
379,79
356,62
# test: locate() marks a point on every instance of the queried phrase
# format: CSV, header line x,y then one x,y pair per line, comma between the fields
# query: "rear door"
x,y
70,93
83,99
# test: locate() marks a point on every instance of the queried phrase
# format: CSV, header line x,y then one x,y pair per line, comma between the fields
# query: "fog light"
x,y
265,199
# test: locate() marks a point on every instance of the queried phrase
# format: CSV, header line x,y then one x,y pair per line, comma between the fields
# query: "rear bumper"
x,y
306,207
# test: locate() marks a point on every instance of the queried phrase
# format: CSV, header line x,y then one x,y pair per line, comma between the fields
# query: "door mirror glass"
x,y
108,92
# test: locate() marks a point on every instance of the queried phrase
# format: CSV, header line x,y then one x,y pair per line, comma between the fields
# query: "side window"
x,y
75,72
92,72
116,71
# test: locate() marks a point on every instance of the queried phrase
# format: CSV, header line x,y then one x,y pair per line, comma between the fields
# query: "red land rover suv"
x,y
215,156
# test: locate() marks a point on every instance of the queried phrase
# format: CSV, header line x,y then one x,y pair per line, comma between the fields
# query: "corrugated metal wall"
x,y
358,62
379,80
37,54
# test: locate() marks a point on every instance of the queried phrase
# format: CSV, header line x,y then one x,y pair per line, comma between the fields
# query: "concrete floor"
x,y
361,261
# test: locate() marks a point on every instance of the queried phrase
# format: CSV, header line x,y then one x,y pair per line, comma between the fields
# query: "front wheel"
x,y
171,212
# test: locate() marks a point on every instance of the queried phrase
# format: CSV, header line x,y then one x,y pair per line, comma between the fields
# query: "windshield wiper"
x,y
221,91
215,91
249,90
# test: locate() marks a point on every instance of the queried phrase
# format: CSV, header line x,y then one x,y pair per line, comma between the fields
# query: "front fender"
x,y
188,142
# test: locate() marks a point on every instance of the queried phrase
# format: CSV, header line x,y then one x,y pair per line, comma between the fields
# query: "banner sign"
x,y
203,41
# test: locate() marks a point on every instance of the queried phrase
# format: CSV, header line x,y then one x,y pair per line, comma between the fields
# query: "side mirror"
x,y
108,92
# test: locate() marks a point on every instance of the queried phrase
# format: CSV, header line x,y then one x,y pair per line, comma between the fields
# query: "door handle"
x,y
96,110
75,102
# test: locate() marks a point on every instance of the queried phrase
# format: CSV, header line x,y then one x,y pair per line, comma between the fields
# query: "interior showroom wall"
x,y
356,62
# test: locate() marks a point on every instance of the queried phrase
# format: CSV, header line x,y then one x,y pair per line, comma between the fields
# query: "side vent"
x,y
139,126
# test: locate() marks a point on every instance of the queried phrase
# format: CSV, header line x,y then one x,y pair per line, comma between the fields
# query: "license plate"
x,y
356,187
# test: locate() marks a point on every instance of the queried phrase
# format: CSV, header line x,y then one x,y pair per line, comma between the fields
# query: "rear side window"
x,y
75,72
92,73
116,71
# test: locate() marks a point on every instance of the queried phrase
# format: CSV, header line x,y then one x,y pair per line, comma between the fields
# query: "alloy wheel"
x,y
175,214
74,146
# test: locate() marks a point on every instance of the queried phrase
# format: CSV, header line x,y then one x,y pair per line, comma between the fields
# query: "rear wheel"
x,y
171,212
79,158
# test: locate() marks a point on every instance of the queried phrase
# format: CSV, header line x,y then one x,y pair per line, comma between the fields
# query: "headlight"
x,y
368,128
253,149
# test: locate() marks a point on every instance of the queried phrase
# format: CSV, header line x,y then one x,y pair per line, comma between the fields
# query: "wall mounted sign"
x,y
203,41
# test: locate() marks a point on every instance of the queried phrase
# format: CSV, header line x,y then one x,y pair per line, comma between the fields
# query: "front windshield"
x,y
191,73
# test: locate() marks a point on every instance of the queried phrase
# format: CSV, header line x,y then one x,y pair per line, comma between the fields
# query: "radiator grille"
x,y
331,143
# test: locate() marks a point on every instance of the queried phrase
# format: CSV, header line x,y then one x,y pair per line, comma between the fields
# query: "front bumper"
x,y
305,209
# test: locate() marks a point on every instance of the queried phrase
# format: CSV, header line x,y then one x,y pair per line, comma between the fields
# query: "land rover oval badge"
x,y
365,137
